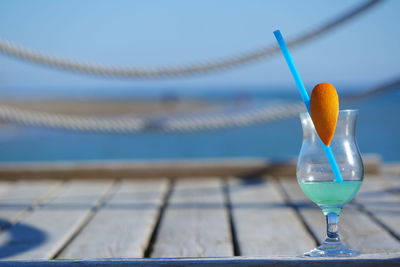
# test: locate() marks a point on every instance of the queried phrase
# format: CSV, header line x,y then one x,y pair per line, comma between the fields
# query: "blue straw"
x,y
293,69
333,163
306,100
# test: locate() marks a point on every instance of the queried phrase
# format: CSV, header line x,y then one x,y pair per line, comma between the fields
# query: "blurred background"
x,y
357,56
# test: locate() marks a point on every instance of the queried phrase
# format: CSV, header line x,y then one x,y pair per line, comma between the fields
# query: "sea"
x,y
378,132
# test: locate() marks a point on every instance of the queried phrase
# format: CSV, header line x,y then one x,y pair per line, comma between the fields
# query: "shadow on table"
x,y
20,238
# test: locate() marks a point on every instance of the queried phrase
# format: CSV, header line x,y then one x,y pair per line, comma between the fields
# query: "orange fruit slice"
x,y
324,108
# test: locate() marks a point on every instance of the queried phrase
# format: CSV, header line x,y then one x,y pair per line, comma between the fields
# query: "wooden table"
x,y
227,221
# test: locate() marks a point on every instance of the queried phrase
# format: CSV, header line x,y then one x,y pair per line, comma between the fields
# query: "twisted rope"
x,y
14,50
196,122
122,124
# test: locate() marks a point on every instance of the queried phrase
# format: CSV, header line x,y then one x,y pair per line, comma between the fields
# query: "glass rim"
x,y
341,111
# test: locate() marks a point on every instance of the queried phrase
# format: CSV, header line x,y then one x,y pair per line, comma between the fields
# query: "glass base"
x,y
332,249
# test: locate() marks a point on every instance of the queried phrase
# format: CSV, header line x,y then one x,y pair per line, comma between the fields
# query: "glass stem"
x,y
332,225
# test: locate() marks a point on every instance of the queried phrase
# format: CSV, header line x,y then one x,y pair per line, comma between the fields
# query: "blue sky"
x,y
362,53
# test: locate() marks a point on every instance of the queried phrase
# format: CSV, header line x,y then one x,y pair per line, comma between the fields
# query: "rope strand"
x,y
106,70
196,122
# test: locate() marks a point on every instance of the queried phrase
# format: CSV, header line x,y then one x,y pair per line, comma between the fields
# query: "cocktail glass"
x,y
316,179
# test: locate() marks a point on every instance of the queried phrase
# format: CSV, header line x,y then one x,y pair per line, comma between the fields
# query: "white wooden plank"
x,y
43,232
264,224
195,222
5,186
123,227
356,228
364,260
17,198
381,197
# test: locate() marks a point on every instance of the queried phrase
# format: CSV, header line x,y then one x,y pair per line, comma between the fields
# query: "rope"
x,y
196,122
77,123
122,124
371,93
14,50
